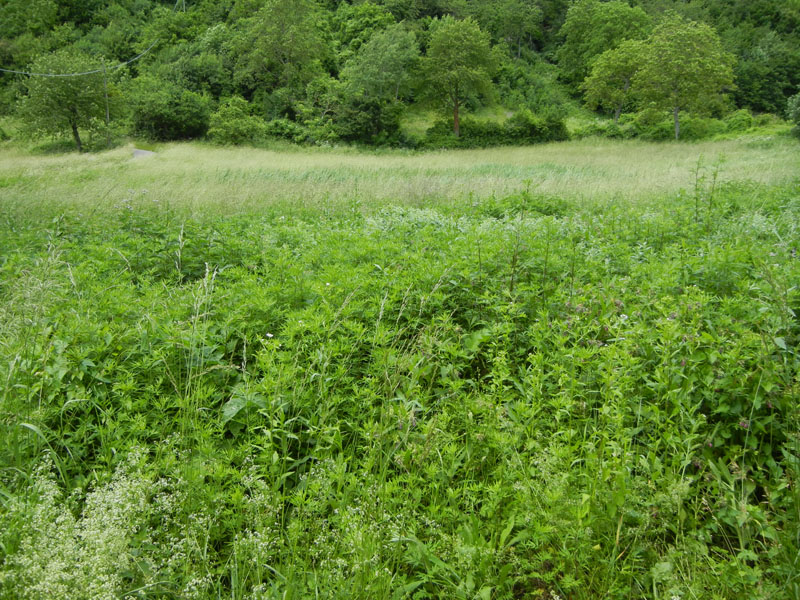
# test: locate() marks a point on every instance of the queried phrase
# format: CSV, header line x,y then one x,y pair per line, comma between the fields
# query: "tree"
x,y
279,47
609,83
459,62
356,23
593,27
684,68
515,22
55,105
384,65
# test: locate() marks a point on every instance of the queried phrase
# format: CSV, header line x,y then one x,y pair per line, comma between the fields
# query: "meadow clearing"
x,y
566,371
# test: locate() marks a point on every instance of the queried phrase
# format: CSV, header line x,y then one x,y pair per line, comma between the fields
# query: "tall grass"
x,y
192,177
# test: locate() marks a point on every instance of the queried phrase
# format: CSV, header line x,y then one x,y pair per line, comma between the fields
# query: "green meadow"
x,y
566,371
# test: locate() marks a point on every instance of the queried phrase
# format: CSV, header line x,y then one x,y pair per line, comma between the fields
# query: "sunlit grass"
x,y
198,177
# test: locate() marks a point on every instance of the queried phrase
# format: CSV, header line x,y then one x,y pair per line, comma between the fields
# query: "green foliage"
x,y
768,67
164,111
610,81
280,47
459,62
383,67
684,68
532,86
740,120
58,105
232,123
271,52
35,17
514,22
368,120
202,66
693,127
522,128
356,24
593,27
793,110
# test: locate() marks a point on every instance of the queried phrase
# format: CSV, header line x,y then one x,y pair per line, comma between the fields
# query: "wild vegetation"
x,y
329,72
562,371
528,368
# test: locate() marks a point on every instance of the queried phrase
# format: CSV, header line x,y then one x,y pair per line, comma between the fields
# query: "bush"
x,y
526,128
164,111
521,129
233,123
741,120
605,129
692,128
368,120
793,111
286,130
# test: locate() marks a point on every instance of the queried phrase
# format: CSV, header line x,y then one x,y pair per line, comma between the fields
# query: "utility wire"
x,y
101,70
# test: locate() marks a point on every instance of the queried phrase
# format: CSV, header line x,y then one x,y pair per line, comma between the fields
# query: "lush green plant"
x,y
383,67
522,128
793,110
164,111
232,123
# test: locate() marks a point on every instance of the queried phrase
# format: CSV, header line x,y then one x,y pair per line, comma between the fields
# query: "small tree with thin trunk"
x,y
609,83
684,68
61,103
459,63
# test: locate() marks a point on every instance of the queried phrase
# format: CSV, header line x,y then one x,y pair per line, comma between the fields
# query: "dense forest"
x,y
465,72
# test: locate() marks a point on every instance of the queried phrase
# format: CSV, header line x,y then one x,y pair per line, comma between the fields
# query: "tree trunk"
x,y
677,123
456,127
77,137
618,112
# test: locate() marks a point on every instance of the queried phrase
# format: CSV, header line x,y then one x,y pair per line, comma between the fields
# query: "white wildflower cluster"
x,y
60,556
197,588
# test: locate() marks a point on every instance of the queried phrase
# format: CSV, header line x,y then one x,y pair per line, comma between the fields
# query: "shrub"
x,y
521,129
368,120
286,130
793,111
233,123
692,128
164,111
741,120
526,128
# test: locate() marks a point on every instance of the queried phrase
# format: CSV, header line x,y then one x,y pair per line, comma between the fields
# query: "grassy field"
x,y
568,371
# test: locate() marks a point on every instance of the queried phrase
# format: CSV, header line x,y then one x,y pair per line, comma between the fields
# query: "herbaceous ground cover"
x,y
561,372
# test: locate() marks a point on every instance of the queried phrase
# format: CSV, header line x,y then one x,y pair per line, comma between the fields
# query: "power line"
x,y
100,70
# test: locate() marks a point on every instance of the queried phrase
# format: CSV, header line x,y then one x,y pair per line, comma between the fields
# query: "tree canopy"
x,y
593,27
310,65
